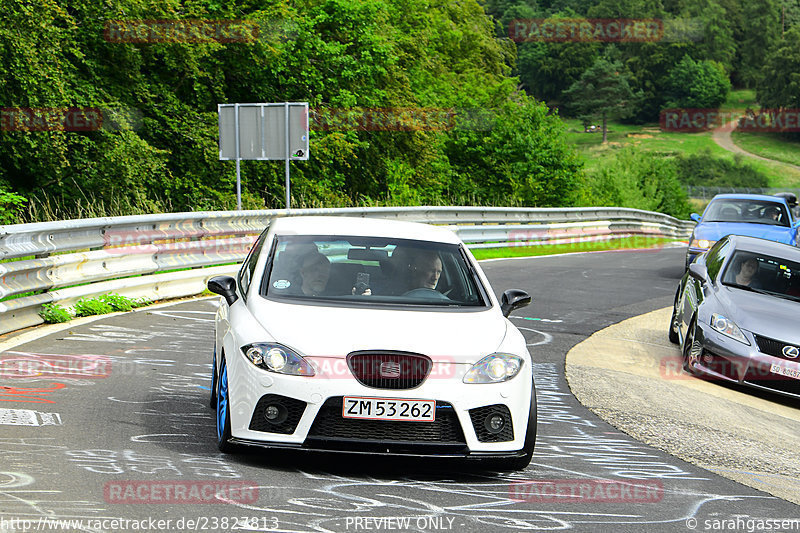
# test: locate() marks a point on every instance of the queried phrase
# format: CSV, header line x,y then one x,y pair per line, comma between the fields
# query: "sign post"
x,y
261,132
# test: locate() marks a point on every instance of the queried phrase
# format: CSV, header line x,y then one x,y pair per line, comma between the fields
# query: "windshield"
x,y
763,273
752,211
372,271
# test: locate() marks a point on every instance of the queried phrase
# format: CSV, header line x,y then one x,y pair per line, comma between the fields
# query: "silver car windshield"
x,y
764,274
369,271
751,211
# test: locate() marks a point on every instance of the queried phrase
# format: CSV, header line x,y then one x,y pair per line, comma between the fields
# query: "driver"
x,y
772,212
425,267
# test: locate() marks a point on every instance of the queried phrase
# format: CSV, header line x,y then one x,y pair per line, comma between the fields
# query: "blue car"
x,y
752,215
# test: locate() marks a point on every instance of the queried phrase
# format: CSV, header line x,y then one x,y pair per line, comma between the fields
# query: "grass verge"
x,y
627,243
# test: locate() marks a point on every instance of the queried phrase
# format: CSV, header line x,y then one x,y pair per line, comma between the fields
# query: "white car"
x,y
370,336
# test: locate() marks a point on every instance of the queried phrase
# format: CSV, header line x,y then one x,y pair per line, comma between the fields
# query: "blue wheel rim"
x,y
222,401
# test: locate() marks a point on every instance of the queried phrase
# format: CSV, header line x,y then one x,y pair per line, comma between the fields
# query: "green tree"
x,y
761,31
520,156
780,83
603,91
697,84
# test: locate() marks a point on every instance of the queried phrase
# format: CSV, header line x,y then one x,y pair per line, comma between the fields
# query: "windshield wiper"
x,y
751,289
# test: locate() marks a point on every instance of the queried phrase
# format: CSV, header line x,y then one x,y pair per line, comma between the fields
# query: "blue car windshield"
x,y
367,271
750,211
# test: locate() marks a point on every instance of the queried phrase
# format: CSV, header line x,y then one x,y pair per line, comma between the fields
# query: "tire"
x,y
520,463
223,410
688,342
674,338
213,399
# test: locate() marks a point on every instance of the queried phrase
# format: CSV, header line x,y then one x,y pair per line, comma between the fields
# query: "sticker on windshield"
x,y
282,284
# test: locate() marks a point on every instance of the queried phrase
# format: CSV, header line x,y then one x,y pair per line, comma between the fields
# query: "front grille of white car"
x,y
389,369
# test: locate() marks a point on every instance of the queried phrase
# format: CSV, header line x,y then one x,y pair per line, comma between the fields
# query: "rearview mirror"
x,y
695,217
698,272
225,286
514,299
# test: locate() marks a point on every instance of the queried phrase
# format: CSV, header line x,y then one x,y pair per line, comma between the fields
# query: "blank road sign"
x,y
262,131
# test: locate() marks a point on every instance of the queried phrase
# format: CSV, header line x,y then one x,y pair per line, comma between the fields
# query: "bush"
x,y
54,314
91,306
117,302
639,180
705,170
11,205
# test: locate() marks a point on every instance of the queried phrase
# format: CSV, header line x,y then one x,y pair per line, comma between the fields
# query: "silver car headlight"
x,y
494,368
278,359
727,327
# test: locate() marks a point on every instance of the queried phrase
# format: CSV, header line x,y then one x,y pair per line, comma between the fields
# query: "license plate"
x,y
783,371
389,409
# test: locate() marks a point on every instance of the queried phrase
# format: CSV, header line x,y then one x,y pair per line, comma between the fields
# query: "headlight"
x,y
278,359
727,328
494,368
702,243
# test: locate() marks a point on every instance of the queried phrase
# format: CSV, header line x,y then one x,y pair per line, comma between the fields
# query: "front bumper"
x,y
313,416
728,360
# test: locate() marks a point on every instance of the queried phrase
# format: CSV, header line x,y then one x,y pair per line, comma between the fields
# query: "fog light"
x,y
494,423
275,413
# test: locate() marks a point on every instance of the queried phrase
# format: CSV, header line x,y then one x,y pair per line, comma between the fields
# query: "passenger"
x,y
314,270
746,274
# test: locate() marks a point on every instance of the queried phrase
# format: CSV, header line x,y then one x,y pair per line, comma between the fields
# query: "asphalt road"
x,y
125,433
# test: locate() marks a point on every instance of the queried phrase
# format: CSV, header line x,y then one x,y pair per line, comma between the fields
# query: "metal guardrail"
x,y
137,256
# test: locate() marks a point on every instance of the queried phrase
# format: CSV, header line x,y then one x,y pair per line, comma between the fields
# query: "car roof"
x,y
370,227
742,196
764,246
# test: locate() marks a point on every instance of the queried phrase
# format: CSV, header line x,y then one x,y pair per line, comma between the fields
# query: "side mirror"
x,y
796,224
513,299
225,286
695,217
698,272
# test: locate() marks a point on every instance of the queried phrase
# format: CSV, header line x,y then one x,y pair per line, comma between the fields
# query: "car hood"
x,y
714,231
762,314
457,337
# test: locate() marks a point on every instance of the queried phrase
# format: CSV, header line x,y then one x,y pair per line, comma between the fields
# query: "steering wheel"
x,y
425,292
